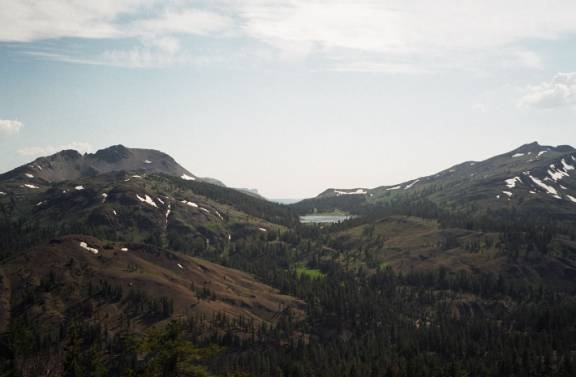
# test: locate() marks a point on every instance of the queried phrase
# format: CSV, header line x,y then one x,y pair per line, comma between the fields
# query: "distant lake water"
x,y
318,219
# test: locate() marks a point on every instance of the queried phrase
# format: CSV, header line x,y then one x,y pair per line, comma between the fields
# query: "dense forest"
x,y
358,322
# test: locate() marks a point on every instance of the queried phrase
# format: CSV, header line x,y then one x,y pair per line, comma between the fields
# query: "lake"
x,y
319,219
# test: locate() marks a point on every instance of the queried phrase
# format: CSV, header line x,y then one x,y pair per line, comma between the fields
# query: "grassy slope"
x,y
411,244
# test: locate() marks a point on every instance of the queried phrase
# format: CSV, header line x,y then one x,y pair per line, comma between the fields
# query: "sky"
x,y
288,96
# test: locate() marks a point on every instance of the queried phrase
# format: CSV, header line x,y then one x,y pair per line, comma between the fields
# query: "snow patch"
x,y
137,176
85,246
511,182
357,192
394,188
40,203
204,209
146,199
518,155
557,174
29,175
186,177
79,188
28,185
180,266
168,212
219,215
160,200
191,204
124,249
147,161
262,229
2,193
507,193
114,212
411,184
541,153
572,199
567,167
549,189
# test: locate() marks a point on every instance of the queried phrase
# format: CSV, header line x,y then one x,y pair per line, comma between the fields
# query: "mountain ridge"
x,y
526,176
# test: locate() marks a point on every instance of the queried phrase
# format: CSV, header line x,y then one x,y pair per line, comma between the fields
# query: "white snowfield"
x,y
541,153
29,175
549,189
191,204
114,212
572,199
137,176
30,186
507,193
567,167
518,155
104,197
356,192
186,177
160,200
180,266
412,184
557,174
219,215
2,193
85,246
79,188
262,229
511,182
394,188
124,249
146,199
204,209
147,161
168,211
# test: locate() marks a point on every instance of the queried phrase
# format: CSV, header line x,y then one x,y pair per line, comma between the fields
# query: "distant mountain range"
x,y
127,247
531,177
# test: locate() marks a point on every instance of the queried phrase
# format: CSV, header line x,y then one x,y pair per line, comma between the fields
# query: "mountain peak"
x,y
530,147
66,154
70,164
113,154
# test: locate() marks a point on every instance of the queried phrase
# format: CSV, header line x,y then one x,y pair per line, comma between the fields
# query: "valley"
x,y
153,271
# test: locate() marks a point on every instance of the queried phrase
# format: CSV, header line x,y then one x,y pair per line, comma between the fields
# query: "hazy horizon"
x,y
288,97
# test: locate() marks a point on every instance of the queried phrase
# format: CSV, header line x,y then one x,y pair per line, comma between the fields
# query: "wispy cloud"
x,y
36,151
559,92
398,36
27,21
406,27
10,127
